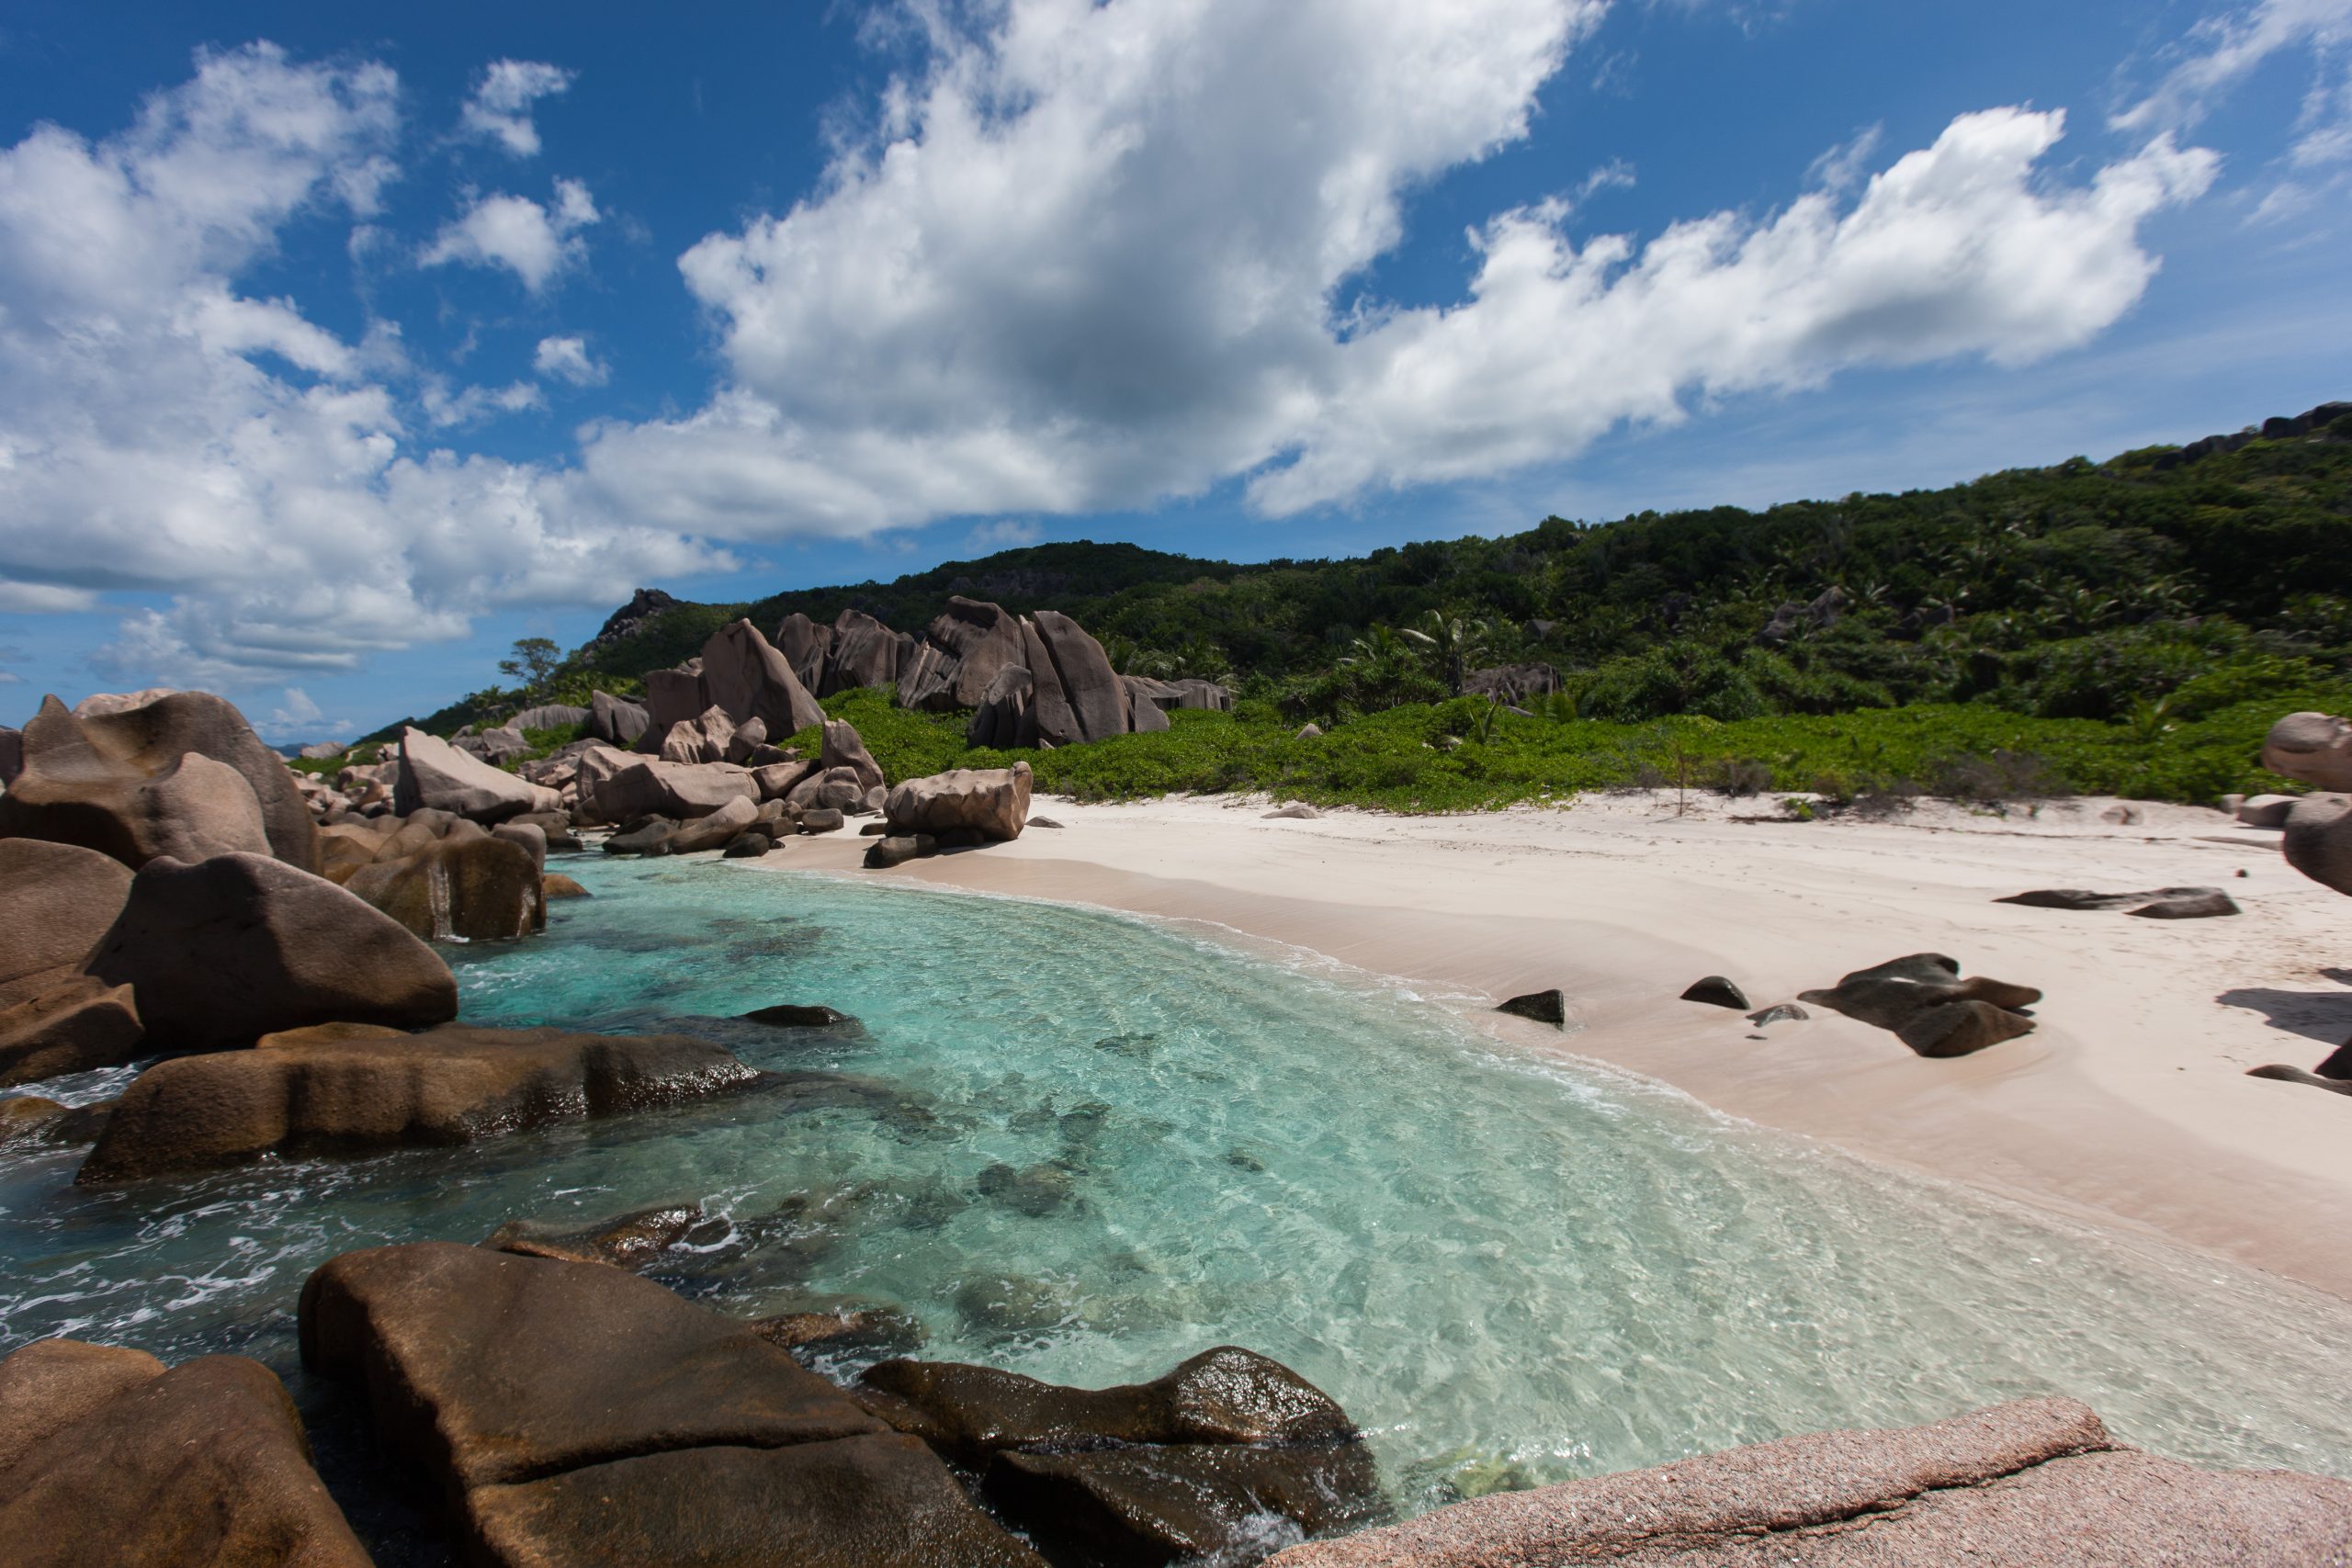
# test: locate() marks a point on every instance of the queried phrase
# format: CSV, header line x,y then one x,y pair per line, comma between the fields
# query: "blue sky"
x,y
335,356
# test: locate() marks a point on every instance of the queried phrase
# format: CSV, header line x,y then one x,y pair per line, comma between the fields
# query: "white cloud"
x,y
162,433
1004,534
1097,256
532,242
471,405
298,717
500,108
567,359
2225,49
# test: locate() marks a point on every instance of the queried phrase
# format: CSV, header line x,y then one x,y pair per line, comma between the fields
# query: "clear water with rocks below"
x,y
1085,1146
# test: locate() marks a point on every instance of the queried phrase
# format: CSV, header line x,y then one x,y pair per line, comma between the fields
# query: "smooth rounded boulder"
x,y
76,1025
226,951
993,802
2314,747
2318,841
56,902
470,889
436,774
745,674
181,775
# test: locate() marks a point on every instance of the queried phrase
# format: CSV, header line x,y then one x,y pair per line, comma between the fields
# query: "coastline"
x,y
2128,1109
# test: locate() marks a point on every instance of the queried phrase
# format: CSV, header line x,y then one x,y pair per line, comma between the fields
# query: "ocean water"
x,y
1085,1146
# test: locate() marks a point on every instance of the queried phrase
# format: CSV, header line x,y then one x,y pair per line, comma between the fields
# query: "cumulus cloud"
x,y
500,108
532,242
1097,257
163,433
567,359
298,717
471,405
1004,534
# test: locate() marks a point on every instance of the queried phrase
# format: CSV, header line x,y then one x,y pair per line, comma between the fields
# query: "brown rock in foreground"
x,y
108,1459
1931,1009
226,951
336,1092
73,1026
477,889
2315,747
56,902
2034,1481
573,1413
2318,841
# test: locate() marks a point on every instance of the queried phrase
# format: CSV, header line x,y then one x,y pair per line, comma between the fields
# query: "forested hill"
x,y
2077,591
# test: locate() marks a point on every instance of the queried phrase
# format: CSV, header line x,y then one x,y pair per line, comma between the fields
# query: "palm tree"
x,y
1453,643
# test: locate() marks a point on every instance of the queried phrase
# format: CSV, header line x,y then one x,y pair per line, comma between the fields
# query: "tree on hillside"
x,y
1455,644
534,662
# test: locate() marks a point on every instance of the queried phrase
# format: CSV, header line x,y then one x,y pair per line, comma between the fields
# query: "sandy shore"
x,y
2129,1106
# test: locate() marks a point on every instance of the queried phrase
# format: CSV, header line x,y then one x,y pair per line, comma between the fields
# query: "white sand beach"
x,y
2129,1106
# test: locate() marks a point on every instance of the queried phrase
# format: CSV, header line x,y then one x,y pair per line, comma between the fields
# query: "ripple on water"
x,y
1087,1146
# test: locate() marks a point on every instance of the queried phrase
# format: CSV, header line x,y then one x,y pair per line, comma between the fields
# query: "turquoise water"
x,y
1085,1146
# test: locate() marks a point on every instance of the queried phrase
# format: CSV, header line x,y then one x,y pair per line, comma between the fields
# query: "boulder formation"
x,y
2314,747
226,951
471,888
743,674
626,1424
1516,684
436,774
990,802
107,1456
74,1025
2318,841
963,647
344,1090
2036,1480
181,775
1931,1009
861,651
614,719
60,900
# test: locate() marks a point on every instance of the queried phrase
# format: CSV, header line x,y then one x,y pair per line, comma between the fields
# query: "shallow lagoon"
x,y
1085,1146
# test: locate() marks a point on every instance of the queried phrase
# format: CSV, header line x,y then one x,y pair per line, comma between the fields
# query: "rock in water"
x,y
335,1093
107,1457
627,1241
2319,840
437,774
992,801
575,1414
469,889
750,846
1923,1000
182,775
2034,1481
224,952
529,837
2314,747
554,885
1543,1007
792,1015
1716,991
76,1025
56,902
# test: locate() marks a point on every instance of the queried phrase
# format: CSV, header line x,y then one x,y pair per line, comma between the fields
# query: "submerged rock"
x,y
624,1425
2033,1482
76,1025
108,1458
32,1118
628,1241
794,1015
340,1092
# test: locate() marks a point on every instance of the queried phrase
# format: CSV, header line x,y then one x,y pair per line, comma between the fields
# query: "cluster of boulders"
x,y
1921,998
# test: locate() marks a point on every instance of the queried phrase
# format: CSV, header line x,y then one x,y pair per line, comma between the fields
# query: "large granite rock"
x,y
1079,698
342,1090
436,774
159,779
864,652
714,831
100,704
108,1459
614,719
844,748
651,787
12,753
1148,704
974,640
471,889
573,1412
56,902
1931,1009
993,802
2315,747
1189,1466
672,697
552,715
2036,1482
2318,841
74,1025
226,951
745,674
804,644
1006,716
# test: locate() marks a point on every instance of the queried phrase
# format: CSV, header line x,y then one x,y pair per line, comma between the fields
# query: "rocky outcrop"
x,y
1079,698
228,950
436,775
844,748
552,716
2313,748
99,705
59,900
12,753
1188,1466
651,787
714,831
1006,715
74,1025
743,673
470,889
967,644
2318,841
1541,1007
108,1458
863,652
1931,1009
623,1423
804,644
991,802
2036,1480
341,1091
181,774
616,720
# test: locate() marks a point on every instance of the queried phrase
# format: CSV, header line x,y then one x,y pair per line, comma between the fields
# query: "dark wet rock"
x,y
2199,904
2083,899
107,1457
992,801
1778,1012
437,774
1011,1305
1033,1189
338,1091
152,780
791,1015
32,1118
749,845
626,1424
631,1241
229,950
1716,991
1929,1007
897,849
651,838
1543,1007
842,1327
2318,841
1296,810
471,889
1185,1502
2034,1481
77,1024
2284,1074
2338,1064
